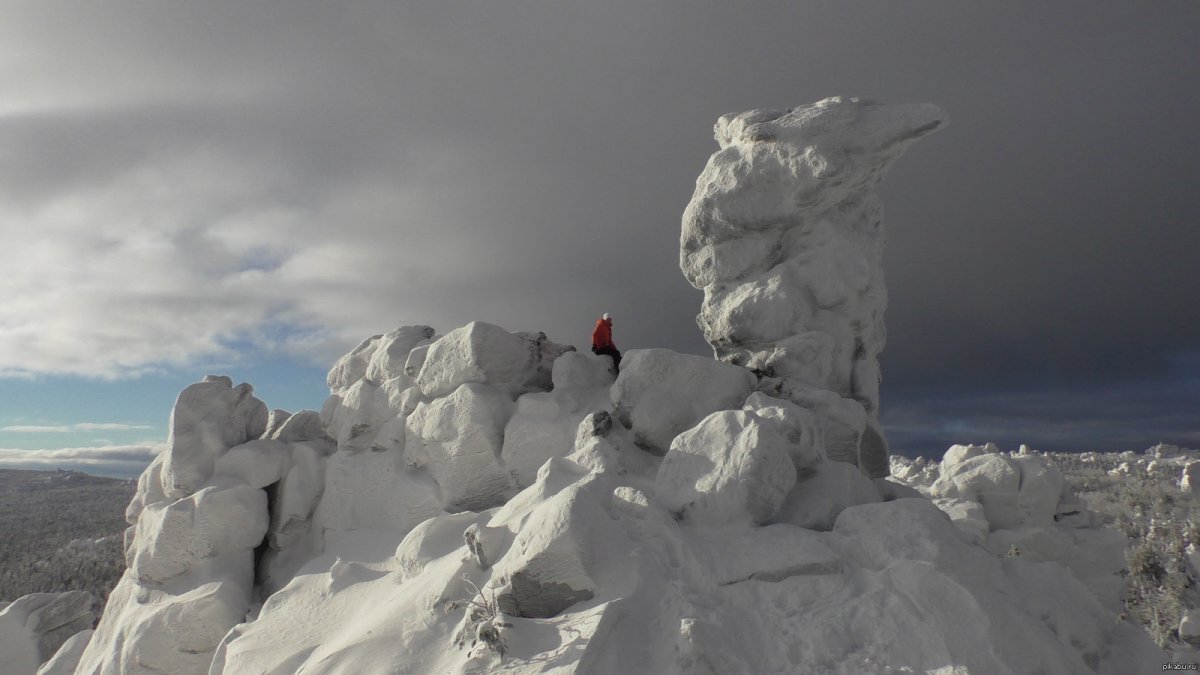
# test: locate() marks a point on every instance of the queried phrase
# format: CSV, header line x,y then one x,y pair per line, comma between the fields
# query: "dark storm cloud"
x,y
526,163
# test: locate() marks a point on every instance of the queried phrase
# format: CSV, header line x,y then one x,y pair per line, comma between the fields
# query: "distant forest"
x,y
62,531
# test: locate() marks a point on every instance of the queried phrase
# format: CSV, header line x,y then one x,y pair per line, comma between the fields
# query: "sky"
x,y
253,188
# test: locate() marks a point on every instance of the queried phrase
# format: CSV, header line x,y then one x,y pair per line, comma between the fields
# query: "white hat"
x,y
606,316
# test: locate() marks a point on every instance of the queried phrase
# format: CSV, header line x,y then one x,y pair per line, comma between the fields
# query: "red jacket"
x,y
602,335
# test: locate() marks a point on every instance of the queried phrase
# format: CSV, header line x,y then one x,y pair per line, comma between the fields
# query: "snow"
x,y
484,353
816,501
33,627
67,657
660,393
544,424
458,439
784,235
392,350
1189,482
208,418
489,501
257,463
730,468
172,538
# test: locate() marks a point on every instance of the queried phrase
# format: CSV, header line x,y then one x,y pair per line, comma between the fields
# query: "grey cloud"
x,y
181,177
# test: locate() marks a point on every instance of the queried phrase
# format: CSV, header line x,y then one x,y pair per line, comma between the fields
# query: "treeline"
x,y
62,531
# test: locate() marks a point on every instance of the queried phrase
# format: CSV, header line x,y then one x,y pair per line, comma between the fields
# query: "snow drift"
x,y
494,501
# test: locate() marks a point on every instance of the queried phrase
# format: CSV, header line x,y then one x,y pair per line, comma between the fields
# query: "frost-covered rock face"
x,y
730,468
208,418
1018,505
1189,482
34,626
483,353
545,424
661,393
784,234
203,508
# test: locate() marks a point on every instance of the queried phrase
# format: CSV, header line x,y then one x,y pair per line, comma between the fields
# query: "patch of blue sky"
x,y
61,404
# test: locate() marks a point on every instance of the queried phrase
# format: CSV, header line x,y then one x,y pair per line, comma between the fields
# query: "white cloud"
x,y
82,426
107,460
109,426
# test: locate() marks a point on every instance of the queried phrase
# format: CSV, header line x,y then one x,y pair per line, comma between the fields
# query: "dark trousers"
x,y
610,351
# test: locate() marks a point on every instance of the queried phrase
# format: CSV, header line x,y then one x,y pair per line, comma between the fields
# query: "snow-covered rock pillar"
x,y
784,234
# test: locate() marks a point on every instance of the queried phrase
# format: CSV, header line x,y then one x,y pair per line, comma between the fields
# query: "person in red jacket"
x,y
602,342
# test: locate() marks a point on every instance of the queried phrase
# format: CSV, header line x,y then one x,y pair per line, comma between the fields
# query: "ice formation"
x,y
487,500
785,236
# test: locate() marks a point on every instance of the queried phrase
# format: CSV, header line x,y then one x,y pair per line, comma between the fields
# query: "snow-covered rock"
x,y
419,552
391,352
484,353
257,463
548,568
1189,482
730,468
806,443
660,393
172,538
967,514
67,657
958,453
353,366
209,417
1040,489
784,234
373,491
578,370
34,626
816,501
544,425
989,479
305,425
458,439
152,631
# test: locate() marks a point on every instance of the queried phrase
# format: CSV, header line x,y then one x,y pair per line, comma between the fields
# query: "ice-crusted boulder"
x,y
784,235
660,393
34,627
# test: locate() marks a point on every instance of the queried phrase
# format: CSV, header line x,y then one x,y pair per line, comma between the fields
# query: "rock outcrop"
x,y
489,500
34,627
784,234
